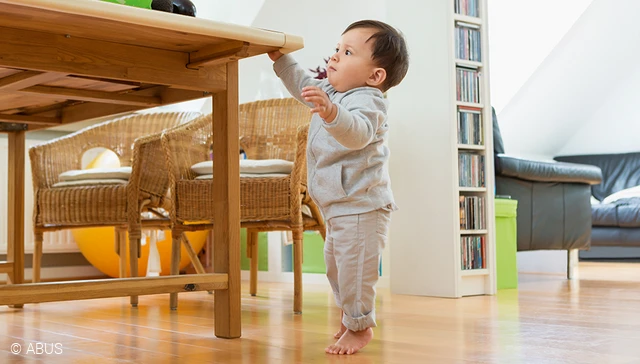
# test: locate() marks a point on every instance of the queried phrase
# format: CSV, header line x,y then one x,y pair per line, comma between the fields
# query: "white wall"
x,y
317,22
241,12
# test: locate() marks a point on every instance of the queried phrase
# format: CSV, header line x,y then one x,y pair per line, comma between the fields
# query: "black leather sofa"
x,y
554,209
617,222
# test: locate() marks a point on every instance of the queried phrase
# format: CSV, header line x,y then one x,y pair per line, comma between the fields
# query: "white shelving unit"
x,y
471,147
426,232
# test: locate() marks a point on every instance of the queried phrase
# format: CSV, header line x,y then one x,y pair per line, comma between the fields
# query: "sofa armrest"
x,y
540,171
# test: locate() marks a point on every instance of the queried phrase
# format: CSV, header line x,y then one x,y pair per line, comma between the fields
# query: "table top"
x,y
101,20
56,55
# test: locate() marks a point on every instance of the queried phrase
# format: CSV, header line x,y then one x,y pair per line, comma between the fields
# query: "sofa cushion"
x,y
626,193
498,144
624,212
619,171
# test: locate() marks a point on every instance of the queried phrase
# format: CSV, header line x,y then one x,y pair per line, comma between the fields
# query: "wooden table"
x,y
63,61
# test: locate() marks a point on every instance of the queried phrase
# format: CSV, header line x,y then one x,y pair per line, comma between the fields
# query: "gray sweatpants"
x,y
352,251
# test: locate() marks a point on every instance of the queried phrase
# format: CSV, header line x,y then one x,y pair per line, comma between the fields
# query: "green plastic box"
x,y
506,243
146,4
312,254
263,253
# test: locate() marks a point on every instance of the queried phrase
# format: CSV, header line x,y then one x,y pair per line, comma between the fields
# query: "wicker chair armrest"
x,y
149,175
50,159
186,145
299,171
299,174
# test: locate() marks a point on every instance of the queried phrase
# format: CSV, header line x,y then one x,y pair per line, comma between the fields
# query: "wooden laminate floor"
x,y
548,320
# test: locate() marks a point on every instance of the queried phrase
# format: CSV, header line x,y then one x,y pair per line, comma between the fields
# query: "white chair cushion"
x,y
202,168
91,182
249,166
121,173
265,166
249,175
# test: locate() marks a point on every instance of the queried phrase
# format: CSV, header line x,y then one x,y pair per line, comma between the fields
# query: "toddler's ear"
x,y
377,77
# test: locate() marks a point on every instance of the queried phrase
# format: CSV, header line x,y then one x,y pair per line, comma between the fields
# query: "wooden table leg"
x,y
226,205
15,206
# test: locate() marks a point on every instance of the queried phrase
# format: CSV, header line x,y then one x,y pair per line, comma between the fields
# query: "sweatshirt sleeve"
x,y
358,120
294,77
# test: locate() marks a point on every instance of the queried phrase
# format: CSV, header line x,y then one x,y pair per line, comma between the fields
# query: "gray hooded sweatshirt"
x,y
347,159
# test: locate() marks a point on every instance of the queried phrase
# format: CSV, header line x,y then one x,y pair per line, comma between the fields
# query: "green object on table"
x,y
506,243
146,4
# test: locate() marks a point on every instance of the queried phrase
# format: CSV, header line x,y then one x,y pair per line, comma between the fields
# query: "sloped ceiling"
x,y
615,126
574,81
518,44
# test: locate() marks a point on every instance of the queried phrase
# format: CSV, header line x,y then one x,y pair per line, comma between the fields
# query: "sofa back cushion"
x,y
498,144
619,171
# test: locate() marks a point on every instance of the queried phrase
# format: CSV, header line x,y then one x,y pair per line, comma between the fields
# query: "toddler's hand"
x,y
274,55
323,106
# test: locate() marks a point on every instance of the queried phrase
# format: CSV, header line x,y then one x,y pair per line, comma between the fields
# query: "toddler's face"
x,y
351,65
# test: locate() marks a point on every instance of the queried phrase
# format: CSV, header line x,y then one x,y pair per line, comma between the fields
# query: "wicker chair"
x,y
118,205
270,129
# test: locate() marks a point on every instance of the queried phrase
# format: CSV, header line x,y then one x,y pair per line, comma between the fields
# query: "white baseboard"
x,y
287,277
542,261
307,278
61,273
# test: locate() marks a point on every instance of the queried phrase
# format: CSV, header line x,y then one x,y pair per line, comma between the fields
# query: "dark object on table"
x,y
182,7
162,5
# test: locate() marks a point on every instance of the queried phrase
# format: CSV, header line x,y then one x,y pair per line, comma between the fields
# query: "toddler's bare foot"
x,y
351,342
343,328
